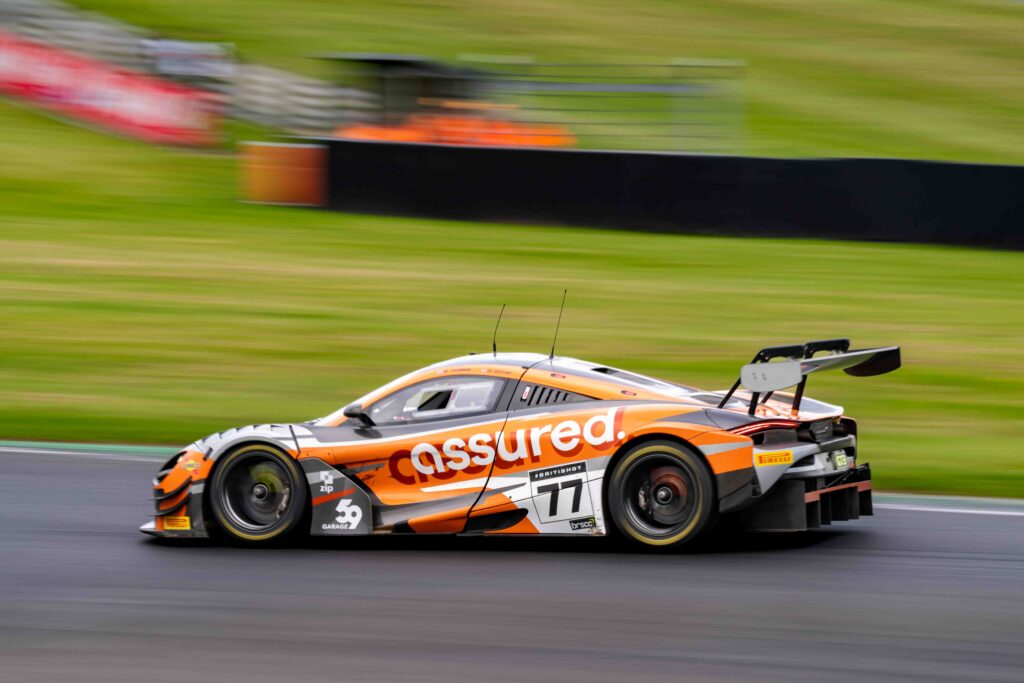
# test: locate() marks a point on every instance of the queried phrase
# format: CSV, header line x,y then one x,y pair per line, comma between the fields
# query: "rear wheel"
x,y
258,494
661,494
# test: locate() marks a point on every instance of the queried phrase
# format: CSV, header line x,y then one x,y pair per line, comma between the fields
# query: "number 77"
x,y
553,489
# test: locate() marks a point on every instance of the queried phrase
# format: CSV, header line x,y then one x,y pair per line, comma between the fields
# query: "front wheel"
x,y
661,494
258,494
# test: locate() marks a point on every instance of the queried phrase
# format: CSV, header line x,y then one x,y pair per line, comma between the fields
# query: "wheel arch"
x,y
657,436
216,456
250,440
666,437
646,438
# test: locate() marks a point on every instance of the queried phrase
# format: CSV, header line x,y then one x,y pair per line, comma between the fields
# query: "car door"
x,y
418,461
546,478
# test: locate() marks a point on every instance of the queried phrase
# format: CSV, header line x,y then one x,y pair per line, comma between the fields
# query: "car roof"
x,y
572,374
568,374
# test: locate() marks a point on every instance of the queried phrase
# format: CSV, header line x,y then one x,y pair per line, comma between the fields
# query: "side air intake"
x,y
542,396
533,395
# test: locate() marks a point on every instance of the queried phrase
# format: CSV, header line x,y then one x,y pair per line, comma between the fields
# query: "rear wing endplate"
x,y
762,376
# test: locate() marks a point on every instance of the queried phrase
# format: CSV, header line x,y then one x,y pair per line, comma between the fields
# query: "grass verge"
x,y
140,303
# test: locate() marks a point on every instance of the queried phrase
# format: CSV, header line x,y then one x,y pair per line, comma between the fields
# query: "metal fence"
x,y
683,105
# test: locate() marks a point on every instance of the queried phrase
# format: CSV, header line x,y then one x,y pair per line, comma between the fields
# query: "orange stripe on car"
x,y
333,496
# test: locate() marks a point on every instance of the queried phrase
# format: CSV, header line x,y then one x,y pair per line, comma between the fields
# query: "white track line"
x,y
959,511
78,454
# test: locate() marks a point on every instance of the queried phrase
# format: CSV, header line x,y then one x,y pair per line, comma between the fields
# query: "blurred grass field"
x,y
141,303
936,79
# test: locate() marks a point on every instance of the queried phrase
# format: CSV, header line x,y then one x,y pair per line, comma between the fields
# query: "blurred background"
x,y
143,301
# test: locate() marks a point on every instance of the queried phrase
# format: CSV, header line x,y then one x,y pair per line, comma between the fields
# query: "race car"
x,y
517,443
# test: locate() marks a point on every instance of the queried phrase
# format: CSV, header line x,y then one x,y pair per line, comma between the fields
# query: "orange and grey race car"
x,y
534,444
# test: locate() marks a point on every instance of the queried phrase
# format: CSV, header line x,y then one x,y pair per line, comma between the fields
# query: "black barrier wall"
x,y
862,199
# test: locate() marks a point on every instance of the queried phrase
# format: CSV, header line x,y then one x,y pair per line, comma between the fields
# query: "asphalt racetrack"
x,y
912,594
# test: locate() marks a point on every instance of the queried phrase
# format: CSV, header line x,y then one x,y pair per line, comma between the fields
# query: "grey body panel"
x,y
350,514
823,465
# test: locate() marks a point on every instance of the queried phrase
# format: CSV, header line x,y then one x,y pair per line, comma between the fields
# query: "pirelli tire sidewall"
x,y
704,518
294,517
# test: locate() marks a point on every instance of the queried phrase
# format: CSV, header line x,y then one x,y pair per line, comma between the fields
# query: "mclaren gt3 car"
x,y
534,444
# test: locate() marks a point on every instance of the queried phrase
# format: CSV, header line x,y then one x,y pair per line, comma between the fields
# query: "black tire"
x,y
258,495
661,495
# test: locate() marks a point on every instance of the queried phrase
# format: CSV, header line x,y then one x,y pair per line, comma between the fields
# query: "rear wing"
x,y
762,376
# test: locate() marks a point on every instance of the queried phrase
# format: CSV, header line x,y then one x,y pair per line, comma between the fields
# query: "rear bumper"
x,y
801,504
840,502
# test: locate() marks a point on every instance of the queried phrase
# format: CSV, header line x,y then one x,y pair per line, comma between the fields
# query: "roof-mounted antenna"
x,y
559,323
494,339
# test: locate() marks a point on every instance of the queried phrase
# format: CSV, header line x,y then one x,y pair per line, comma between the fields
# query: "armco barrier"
x,y
860,199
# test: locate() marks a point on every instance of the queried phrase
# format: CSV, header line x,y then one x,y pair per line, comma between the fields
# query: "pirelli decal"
x,y
177,523
774,458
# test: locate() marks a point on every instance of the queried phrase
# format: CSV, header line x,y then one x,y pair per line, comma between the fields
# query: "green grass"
x,y
940,79
140,302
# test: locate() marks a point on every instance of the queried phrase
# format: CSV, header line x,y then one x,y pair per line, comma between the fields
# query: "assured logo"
x,y
774,458
565,438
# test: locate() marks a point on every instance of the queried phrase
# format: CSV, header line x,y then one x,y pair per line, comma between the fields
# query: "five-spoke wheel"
x,y
257,493
661,494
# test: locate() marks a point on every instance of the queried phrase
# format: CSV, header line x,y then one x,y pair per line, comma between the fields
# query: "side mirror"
x,y
355,411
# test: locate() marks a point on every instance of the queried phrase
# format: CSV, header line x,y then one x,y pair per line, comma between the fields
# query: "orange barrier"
x,y
279,173
453,129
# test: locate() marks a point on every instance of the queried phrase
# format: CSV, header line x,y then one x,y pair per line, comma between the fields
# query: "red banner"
x,y
106,95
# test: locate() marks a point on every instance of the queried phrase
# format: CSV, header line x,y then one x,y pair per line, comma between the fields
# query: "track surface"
x,y
907,595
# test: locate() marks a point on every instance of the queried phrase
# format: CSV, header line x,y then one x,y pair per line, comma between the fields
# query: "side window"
x,y
446,397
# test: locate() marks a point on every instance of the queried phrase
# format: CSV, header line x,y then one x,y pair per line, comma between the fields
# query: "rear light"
x,y
764,426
